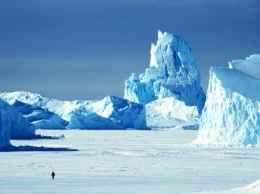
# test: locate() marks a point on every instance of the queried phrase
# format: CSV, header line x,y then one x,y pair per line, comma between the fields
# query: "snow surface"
x,y
131,161
253,188
231,114
13,125
173,72
108,113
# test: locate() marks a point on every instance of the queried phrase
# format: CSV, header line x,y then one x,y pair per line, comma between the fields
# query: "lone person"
x,y
53,175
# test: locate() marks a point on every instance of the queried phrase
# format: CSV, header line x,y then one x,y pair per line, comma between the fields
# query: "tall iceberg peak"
x,y
232,110
173,72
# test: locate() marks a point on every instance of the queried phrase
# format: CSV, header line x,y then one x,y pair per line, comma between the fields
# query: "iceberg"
x,y
231,115
170,87
39,117
173,72
13,125
46,113
5,125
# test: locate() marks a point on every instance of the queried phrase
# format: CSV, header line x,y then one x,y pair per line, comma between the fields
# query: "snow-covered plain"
x,y
132,161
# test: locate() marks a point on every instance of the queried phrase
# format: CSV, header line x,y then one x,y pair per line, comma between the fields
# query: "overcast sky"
x,y
86,49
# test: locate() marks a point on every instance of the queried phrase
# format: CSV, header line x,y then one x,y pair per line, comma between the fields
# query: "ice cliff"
x,y
173,72
108,113
5,125
231,114
13,125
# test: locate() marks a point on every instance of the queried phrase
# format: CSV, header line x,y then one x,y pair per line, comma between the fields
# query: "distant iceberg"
x,y
231,115
46,113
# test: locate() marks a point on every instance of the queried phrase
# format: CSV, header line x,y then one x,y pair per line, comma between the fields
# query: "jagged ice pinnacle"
x,y
173,72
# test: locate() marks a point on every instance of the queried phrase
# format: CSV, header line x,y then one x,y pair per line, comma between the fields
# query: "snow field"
x,y
130,161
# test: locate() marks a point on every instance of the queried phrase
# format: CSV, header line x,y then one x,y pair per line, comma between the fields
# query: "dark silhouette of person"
x,y
53,175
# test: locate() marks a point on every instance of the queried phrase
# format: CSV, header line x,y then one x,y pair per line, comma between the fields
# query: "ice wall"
x,y
231,114
13,125
5,125
173,72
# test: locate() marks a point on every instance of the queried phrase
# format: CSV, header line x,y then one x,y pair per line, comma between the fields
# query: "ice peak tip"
x,y
162,34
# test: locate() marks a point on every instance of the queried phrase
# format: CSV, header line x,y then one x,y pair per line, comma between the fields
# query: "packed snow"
x,y
46,113
231,115
132,161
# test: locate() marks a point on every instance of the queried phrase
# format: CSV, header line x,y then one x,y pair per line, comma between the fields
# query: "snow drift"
x,y
13,125
232,111
109,113
173,77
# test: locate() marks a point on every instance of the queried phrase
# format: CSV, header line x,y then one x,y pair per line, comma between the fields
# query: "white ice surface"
x,y
130,161
250,66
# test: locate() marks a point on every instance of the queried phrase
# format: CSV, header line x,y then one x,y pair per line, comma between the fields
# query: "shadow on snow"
x,y
35,137
28,148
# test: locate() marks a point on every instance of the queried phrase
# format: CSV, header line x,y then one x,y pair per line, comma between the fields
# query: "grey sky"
x,y
79,49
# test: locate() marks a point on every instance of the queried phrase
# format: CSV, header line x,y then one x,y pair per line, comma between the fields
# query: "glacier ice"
x,y
5,124
13,125
250,66
170,112
170,87
46,113
232,110
173,72
39,117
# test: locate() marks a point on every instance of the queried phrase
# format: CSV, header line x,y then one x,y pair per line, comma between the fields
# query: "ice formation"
x,y
173,72
5,124
232,110
109,113
39,117
170,112
170,87
13,125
